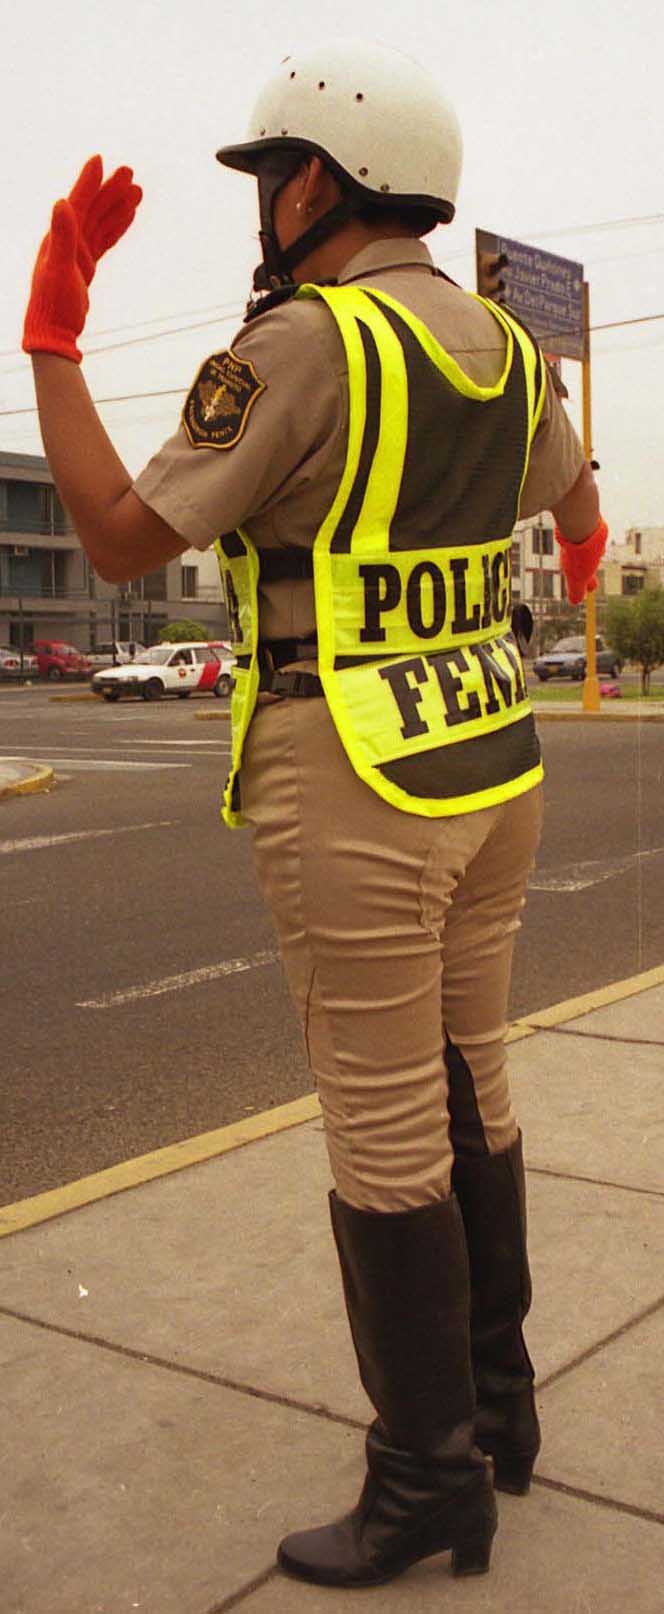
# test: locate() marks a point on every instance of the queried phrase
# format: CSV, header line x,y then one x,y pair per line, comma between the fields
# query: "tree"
x,y
180,632
635,630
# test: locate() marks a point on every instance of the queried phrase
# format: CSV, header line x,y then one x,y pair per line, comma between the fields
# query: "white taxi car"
x,y
168,669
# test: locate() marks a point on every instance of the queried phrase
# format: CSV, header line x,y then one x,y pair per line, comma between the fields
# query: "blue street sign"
x,y
543,290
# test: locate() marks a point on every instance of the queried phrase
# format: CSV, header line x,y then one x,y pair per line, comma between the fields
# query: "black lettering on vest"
x,y
450,685
406,696
495,678
499,590
519,687
233,608
424,630
382,592
486,611
463,623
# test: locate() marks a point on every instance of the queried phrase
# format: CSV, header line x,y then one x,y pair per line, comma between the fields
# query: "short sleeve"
x,y
253,445
556,458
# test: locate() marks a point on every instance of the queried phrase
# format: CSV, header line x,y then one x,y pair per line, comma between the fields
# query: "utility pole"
x,y
591,700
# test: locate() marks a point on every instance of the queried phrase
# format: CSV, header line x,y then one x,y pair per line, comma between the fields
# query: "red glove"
x,y
579,562
94,216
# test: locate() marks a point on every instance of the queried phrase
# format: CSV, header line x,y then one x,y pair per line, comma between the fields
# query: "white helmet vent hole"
x,y
292,75
363,172
359,96
321,85
385,187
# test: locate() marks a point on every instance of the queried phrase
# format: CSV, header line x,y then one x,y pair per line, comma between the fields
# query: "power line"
x,y
232,313
173,392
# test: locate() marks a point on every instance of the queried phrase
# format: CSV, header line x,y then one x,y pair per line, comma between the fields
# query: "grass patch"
x,y
573,693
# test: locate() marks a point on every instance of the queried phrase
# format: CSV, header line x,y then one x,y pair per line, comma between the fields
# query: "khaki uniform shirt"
x,y
280,478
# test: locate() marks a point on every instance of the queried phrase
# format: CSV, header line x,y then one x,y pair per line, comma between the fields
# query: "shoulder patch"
x,y
218,407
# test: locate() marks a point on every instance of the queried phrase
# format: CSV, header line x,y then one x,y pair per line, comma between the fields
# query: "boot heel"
x,y
513,1474
472,1557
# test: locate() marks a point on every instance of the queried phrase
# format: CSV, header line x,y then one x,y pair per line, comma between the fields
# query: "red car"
x,y
59,660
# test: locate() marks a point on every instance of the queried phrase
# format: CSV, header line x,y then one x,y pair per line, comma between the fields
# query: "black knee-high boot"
x,y
428,1488
492,1197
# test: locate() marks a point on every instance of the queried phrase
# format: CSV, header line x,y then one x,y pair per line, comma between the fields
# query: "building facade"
x,y
49,590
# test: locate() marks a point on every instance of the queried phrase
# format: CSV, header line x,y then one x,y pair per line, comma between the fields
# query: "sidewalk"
x,y
179,1387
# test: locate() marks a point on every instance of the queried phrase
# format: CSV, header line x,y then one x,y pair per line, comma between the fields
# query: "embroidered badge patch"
x,y
217,409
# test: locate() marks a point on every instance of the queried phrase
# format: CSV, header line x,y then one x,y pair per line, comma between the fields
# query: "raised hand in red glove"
x,y
579,562
83,227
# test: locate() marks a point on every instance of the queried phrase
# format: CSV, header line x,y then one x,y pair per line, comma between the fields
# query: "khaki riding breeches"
x,y
396,934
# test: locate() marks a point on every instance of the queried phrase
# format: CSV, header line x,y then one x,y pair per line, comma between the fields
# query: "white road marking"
x,y
36,843
175,983
95,749
81,764
579,876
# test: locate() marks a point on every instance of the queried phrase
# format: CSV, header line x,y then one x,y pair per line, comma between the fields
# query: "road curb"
x,y
213,717
594,717
27,1213
42,780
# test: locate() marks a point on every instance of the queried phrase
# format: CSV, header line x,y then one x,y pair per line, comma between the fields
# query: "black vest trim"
x,y
342,540
467,767
456,493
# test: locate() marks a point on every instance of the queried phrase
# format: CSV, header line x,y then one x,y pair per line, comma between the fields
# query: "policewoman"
x,y
360,456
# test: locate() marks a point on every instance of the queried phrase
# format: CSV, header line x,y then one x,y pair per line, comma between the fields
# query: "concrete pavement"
x,y
180,1390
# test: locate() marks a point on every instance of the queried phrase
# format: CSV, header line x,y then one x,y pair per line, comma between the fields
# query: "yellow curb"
x,y
519,1030
209,1145
159,1163
573,1008
42,780
213,717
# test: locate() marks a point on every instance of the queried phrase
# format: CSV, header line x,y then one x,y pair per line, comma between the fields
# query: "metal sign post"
x,y
552,298
591,700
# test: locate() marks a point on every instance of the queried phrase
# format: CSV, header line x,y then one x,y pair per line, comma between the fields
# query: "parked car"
x,y
115,653
224,653
166,669
59,660
567,659
10,663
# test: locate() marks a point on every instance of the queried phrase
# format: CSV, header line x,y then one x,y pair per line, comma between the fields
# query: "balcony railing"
x,y
19,526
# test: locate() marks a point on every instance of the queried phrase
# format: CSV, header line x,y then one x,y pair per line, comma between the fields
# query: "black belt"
x,y
273,654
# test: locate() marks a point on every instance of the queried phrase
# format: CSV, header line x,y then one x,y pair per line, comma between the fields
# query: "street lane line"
x,y
580,876
37,843
145,1168
176,983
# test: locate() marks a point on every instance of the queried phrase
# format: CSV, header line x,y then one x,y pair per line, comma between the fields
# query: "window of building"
x,y
154,585
632,582
3,501
542,541
189,582
543,585
516,558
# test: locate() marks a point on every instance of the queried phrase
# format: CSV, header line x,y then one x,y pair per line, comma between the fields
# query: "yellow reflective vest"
x,y
412,569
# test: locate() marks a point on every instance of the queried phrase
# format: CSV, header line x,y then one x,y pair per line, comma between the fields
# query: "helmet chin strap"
x,y
278,263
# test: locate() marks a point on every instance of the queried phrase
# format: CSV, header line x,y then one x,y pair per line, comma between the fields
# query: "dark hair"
x,y
416,220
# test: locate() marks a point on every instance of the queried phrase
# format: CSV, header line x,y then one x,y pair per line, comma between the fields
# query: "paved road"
x,y
141,1001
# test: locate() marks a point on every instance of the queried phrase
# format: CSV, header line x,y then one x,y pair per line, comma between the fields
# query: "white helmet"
x,y
376,118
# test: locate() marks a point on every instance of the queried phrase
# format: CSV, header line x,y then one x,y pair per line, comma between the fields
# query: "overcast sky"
x,y
562,111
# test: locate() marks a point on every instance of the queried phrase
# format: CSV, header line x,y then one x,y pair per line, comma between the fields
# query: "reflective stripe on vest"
x,y
421,673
